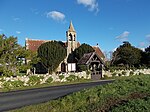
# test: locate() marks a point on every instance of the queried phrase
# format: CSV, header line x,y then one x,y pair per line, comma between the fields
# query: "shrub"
x,y
119,74
61,77
131,73
106,76
82,67
71,78
141,73
124,73
7,85
33,80
49,80
17,83
114,74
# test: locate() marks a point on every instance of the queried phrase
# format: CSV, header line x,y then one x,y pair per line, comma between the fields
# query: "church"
x,y
93,60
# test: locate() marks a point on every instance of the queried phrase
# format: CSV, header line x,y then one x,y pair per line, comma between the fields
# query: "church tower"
x,y
71,39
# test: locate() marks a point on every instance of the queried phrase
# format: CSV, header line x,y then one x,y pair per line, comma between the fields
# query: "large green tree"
x,y
127,54
80,51
51,54
12,56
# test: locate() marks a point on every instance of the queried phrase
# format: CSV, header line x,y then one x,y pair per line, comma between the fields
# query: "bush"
x,y
16,84
33,80
131,73
119,74
61,77
82,68
106,76
124,73
72,78
114,74
49,80
7,85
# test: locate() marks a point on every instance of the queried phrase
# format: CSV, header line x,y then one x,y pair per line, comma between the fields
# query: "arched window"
x,y
70,37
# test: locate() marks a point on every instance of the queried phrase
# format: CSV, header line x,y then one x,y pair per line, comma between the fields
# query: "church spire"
x,y
71,28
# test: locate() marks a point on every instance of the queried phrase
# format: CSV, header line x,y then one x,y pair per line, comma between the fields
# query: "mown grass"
x,y
125,94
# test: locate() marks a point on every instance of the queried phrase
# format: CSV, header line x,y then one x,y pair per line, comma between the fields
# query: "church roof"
x,y
33,44
71,28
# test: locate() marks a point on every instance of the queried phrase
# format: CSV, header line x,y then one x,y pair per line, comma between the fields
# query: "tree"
x,y
12,56
146,57
127,55
51,54
80,51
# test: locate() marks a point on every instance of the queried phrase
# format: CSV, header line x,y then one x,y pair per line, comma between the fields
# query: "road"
x,y
20,98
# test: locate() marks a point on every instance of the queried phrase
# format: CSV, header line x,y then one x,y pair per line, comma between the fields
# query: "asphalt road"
x,y
17,99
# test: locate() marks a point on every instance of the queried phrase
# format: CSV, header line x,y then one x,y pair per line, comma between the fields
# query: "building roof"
x,y
71,28
98,51
33,44
87,57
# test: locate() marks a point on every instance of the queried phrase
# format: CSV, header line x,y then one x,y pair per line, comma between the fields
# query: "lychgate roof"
x,y
85,60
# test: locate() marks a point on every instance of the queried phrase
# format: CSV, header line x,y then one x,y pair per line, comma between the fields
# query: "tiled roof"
x,y
33,45
85,58
98,51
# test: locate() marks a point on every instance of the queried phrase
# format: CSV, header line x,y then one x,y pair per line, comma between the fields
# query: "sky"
x,y
106,22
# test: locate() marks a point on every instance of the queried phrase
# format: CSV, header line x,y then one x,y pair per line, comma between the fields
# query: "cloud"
x,y
55,15
123,36
91,4
16,19
18,32
148,37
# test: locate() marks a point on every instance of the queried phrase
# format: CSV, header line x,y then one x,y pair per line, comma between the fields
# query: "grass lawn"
x,y
128,94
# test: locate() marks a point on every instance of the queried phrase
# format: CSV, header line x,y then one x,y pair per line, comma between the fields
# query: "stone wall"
x,y
126,72
43,78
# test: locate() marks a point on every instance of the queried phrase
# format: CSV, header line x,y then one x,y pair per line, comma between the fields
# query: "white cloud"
x,y
55,15
18,32
91,4
123,36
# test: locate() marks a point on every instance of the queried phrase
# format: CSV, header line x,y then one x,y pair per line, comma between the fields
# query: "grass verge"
x,y
126,93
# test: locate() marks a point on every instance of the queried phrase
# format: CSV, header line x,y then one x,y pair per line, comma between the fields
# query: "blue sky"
x,y
106,22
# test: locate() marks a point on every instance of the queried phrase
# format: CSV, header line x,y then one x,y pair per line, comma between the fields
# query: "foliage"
x,y
131,73
33,80
146,57
124,73
82,68
126,93
72,78
61,77
127,55
80,51
114,74
51,54
49,80
16,84
12,84
12,56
